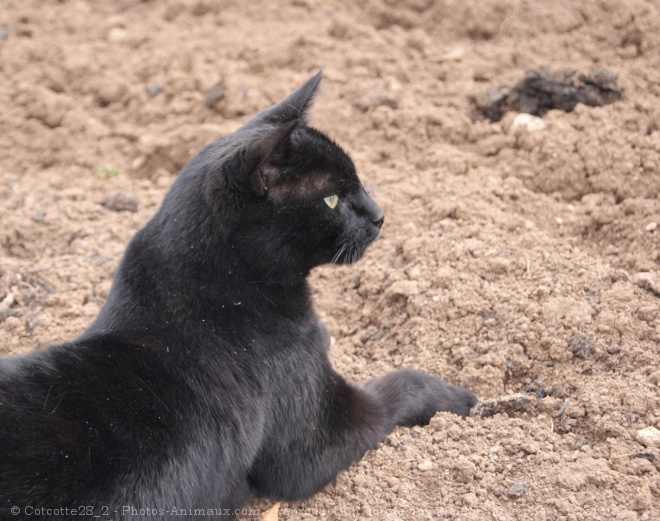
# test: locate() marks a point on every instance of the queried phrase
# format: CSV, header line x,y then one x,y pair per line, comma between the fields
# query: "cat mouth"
x,y
351,250
348,254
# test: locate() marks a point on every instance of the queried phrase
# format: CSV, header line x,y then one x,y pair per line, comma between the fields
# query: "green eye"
x,y
331,200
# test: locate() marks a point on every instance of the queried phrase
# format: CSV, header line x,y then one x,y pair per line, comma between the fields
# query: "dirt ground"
x,y
512,260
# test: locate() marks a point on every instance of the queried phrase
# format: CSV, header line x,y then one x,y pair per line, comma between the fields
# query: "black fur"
x,y
206,374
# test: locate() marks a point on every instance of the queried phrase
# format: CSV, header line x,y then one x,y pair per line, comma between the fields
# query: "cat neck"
x,y
161,281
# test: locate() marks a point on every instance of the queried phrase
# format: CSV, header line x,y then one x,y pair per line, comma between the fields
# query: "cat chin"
x,y
349,254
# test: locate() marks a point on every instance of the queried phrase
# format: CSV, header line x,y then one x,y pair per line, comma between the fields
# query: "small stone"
x,y
425,465
38,217
526,124
518,489
651,227
138,162
120,203
649,437
117,35
4,33
153,89
455,54
215,93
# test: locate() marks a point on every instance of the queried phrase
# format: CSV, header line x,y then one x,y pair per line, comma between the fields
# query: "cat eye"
x,y
331,200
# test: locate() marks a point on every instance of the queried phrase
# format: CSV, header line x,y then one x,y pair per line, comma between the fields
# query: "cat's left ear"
x,y
295,106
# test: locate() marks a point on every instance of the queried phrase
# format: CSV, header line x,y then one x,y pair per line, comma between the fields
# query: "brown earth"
x,y
511,261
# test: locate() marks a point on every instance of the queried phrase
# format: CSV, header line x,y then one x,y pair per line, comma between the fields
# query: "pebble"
x,y
117,35
526,124
455,54
4,33
215,93
518,489
153,89
651,227
649,437
425,465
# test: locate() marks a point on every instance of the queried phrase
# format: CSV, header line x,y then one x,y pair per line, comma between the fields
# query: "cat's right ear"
x,y
295,106
261,159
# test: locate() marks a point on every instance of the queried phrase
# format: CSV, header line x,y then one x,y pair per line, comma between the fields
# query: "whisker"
x,y
339,253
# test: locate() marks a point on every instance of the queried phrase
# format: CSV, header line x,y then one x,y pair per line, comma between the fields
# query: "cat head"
x,y
283,196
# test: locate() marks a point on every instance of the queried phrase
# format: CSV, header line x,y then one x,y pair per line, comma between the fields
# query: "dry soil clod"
x,y
540,91
120,203
512,405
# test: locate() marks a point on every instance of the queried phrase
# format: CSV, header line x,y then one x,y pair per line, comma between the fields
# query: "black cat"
x,y
206,374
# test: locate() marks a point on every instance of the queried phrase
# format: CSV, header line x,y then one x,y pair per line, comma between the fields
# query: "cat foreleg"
x,y
413,397
302,458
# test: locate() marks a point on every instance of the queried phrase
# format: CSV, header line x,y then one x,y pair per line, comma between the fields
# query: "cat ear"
x,y
263,155
296,105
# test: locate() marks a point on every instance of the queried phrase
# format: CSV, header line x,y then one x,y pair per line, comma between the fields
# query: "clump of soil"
x,y
515,260
541,91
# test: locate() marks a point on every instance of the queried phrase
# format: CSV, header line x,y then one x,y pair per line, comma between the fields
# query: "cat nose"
x,y
368,207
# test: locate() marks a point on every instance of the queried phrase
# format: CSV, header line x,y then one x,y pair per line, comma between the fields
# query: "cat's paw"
x,y
414,397
454,399
435,395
